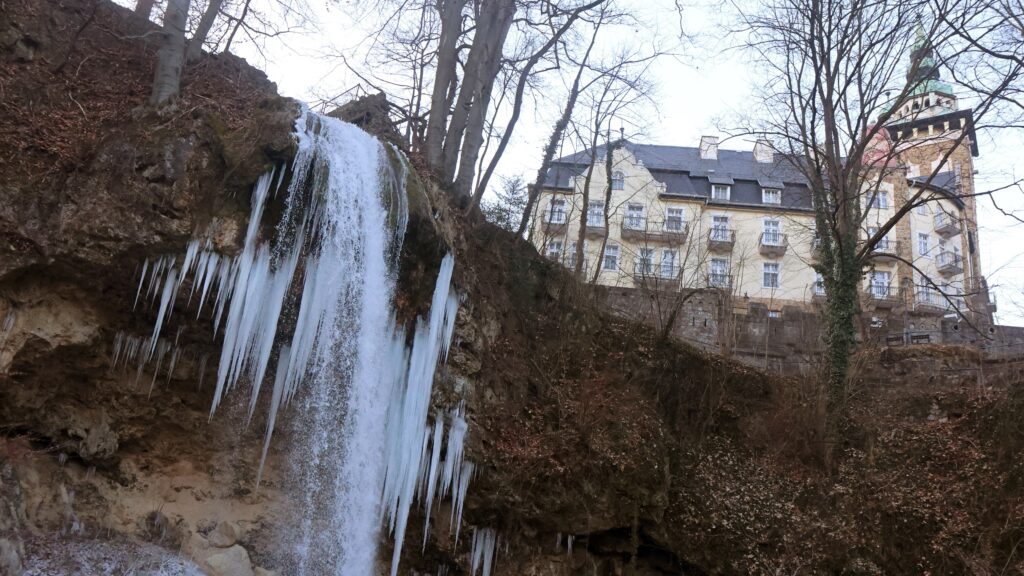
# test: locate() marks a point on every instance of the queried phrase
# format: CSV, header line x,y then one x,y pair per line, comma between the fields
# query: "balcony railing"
x,y
818,291
719,280
929,300
946,225
886,250
816,248
639,228
772,244
882,295
721,239
554,221
648,272
949,263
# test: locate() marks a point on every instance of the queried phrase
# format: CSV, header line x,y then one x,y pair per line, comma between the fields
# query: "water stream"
x,y
313,300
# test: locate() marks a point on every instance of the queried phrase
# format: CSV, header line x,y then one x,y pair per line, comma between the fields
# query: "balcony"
x,y
595,230
929,301
634,228
882,296
818,292
650,274
555,222
949,263
720,281
772,244
946,226
639,228
721,239
816,248
885,251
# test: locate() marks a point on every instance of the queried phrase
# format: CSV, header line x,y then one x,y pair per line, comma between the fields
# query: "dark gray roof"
x,y
944,182
686,174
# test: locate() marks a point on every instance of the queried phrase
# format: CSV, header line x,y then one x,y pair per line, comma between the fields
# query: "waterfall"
x,y
315,300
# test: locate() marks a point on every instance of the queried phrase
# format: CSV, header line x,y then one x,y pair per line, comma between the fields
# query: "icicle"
x,y
166,303
482,551
459,500
142,278
435,456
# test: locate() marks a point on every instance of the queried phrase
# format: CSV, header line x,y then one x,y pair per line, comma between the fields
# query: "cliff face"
x,y
601,449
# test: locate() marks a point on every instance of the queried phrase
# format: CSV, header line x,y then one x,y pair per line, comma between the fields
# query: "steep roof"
x,y
685,174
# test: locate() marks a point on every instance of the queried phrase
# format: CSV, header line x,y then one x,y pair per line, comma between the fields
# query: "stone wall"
x,y
790,340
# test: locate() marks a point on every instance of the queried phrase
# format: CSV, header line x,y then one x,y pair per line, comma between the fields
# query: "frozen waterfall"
x,y
308,307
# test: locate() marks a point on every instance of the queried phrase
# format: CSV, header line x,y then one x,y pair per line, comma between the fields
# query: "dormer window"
x,y
618,181
720,192
771,196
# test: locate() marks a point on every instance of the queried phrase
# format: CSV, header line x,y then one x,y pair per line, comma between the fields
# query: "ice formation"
x,y
485,542
316,301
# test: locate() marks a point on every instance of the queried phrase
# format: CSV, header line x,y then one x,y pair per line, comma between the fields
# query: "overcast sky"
x,y
698,93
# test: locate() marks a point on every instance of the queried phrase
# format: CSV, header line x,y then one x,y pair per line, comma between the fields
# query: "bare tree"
x,y
195,45
835,86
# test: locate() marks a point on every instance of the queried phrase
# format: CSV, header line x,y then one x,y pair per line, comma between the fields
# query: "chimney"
x,y
709,147
763,151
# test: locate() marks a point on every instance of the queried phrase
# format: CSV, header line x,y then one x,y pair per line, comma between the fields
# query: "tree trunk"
x,y
195,45
517,104
144,8
444,80
609,157
171,57
549,150
465,129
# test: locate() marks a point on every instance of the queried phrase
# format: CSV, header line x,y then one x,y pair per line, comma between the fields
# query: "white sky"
x,y
701,90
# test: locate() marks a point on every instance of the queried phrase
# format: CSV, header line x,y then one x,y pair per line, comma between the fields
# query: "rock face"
x,y
601,449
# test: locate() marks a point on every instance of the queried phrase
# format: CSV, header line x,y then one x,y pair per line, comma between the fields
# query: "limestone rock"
x,y
233,561
224,535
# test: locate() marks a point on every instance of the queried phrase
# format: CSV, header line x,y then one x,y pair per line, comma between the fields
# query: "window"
x,y
923,243
771,275
774,314
772,233
674,219
880,283
720,192
554,250
595,214
720,228
618,181
771,196
819,284
879,199
645,261
635,217
922,209
668,263
570,255
718,275
883,244
556,213
611,257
